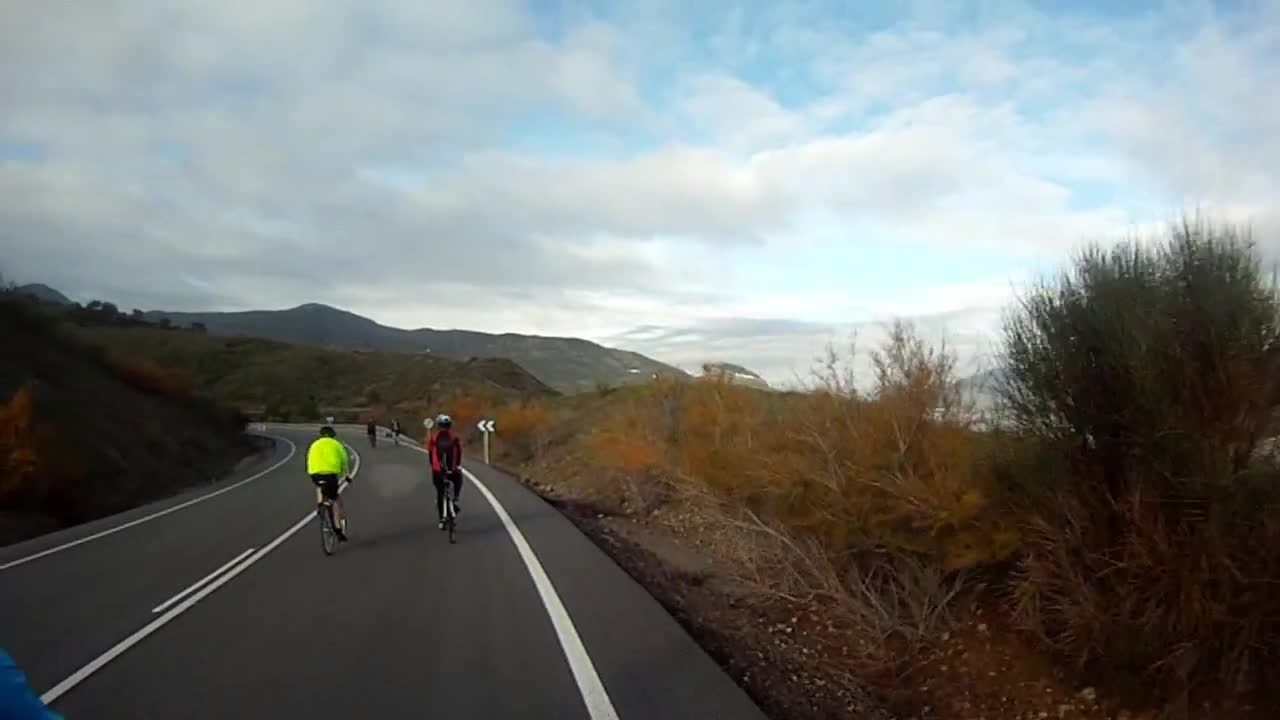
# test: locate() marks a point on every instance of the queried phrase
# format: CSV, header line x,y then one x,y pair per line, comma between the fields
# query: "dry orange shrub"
x,y
843,469
625,442
897,476
846,470
147,375
35,471
725,435
522,419
522,428
17,444
465,410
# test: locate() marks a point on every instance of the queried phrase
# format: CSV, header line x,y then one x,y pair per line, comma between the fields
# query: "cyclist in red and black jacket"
x,y
445,448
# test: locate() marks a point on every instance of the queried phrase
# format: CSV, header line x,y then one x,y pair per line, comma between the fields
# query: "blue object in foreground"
x,y
17,700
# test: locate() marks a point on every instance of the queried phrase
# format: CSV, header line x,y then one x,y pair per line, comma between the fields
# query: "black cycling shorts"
x,y
328,484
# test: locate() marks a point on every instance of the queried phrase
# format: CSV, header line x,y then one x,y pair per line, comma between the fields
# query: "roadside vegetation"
x,y
84,433
1106,544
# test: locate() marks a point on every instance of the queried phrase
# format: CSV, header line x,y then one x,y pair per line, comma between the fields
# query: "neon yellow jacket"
x,y
327,456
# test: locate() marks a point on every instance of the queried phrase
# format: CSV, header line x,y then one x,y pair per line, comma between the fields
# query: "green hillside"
x,y
253,372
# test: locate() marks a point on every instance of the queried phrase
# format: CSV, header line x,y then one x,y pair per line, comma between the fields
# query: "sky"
x,y
695,181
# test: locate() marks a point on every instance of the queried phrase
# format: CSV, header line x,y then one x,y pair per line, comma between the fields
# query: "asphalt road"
x,y
523,618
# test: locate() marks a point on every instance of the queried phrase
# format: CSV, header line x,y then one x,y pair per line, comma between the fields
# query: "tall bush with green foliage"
x,y
1146,375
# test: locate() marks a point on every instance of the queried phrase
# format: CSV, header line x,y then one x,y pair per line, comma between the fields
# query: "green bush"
x,y
1142,381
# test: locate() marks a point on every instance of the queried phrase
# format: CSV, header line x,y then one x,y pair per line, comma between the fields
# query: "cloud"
x,y
685,180
786,352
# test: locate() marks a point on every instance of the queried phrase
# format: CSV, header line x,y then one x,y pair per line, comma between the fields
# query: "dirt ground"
x,y
797,665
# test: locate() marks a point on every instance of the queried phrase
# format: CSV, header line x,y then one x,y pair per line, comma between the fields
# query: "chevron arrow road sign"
x,y
486,427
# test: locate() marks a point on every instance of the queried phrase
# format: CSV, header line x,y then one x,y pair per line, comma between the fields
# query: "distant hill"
x,y
982,388
569,365
43,293
256,372
734,373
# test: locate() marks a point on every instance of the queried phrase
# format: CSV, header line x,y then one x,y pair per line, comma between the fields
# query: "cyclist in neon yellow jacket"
x,y
327,464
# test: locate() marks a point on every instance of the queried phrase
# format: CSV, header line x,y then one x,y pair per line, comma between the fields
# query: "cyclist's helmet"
x,y
444,421
328,431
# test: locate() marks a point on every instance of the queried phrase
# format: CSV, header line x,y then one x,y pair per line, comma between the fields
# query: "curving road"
x,y
523,618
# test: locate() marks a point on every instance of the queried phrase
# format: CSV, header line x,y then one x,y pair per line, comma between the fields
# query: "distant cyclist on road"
x,y
395,430
372,429
327,464
445,449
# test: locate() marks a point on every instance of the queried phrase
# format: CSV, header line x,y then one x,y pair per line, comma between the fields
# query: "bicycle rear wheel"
x,y
450,514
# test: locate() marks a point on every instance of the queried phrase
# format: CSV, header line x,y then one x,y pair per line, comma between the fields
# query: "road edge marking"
x,y
201,582
293,449
79,676
594,696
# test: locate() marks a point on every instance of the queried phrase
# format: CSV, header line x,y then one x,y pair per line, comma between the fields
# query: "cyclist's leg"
x,y
437,480
335,500
456,477
317,482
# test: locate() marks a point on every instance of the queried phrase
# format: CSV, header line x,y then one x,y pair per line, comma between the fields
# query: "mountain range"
x,y
569,365
43,293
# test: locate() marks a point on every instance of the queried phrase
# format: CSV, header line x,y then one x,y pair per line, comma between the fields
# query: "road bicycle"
x,y
329,538
450,509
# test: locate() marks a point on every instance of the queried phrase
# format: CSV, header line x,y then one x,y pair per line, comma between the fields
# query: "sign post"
x,y
486,427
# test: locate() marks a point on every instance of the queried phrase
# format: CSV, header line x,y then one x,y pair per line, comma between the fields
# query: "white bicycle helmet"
x,y
443,420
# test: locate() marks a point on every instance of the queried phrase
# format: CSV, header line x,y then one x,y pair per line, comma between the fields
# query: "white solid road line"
x,y
96,664
201,582
599,706
36,556
78,676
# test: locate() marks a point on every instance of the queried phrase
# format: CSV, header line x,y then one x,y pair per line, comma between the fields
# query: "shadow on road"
x,y
360,543
468,526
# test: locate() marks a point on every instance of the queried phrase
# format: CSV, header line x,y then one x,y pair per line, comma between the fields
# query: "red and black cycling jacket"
x,y
445,448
